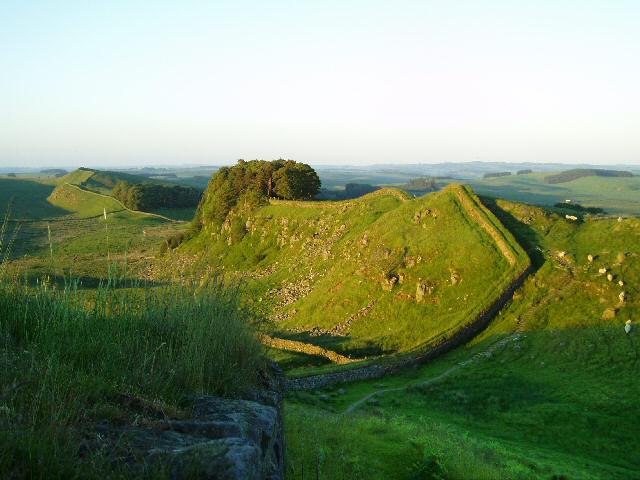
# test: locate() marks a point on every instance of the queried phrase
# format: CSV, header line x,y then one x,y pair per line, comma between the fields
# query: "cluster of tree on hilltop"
x,y
496,174
149,196
253,182
422,184
576,207
575,173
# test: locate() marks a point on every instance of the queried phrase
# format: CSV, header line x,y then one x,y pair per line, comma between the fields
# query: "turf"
x,y
321,270
556,399
616,195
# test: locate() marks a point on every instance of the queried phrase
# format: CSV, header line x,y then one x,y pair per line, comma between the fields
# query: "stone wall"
x,y
221,438
307,348
392,365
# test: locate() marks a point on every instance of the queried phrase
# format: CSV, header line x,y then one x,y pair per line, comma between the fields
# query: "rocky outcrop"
x,y
221,438
393,364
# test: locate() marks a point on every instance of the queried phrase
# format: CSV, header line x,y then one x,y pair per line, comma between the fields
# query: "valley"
x,y
494,329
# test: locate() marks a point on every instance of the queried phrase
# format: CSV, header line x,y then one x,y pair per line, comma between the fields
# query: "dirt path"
x,y
475,358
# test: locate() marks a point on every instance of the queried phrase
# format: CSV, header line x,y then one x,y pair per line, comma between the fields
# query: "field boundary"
x,y
512,251
124,207
307,348
381,369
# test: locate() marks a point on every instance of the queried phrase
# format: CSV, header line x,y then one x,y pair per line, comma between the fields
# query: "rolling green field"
x,y
62,228
345,275
617,195
550,390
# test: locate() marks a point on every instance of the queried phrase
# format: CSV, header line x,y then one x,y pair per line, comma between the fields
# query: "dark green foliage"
x,y
576,173
12,175
524,172
576,207
430,467
54,171
422,184
149,196
497,174
296,181
249,185
351,190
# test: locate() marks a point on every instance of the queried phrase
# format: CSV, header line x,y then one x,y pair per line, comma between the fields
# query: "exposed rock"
x,y
422,289
610,277
590,258
609,313
389,282
228,439
622,297
602,270
455,278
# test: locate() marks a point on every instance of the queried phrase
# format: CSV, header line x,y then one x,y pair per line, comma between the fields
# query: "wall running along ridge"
x,y
475,210
378,370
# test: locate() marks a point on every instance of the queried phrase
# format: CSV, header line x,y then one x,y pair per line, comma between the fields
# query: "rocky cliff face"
x,y
226,439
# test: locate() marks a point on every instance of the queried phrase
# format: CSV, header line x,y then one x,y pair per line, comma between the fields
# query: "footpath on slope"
x,y
478,356
124,207
516,336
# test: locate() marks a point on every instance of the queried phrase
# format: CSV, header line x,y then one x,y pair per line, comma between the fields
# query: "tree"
x,y
296,181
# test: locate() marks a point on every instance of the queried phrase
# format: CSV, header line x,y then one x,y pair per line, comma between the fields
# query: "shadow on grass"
x,y
524,234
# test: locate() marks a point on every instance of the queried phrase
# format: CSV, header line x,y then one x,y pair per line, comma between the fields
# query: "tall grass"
x,y
68,355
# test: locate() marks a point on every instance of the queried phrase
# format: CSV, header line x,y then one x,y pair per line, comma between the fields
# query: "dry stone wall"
x,y
377,370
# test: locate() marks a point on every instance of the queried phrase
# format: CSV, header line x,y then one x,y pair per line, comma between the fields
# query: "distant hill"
x,y
101,181
54,171
496,174
136,192
574,174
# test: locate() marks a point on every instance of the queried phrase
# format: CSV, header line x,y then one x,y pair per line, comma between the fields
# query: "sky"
x,y
128,83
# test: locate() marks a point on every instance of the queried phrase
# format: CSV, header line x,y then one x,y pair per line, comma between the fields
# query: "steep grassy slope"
x,y
379,274
28,199
550,390
83,203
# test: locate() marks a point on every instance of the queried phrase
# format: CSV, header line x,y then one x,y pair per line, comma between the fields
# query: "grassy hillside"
x,y
550,390
574,174
617,195
67,220
347,275
28,198
83,203
74,366
100,181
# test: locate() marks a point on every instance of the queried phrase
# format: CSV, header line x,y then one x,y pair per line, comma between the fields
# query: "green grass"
x,y
312,266
82,203
617,195
70,359
560,402
28,199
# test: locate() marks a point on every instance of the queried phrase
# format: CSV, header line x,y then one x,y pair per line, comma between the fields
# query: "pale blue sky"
x,y
358,82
